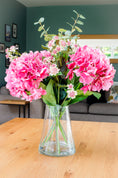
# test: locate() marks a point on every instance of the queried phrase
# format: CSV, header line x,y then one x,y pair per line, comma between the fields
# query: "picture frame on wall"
x,y
14,30
2,48
7,32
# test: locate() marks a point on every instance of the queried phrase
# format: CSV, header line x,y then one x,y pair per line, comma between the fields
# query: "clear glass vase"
x,y
57,137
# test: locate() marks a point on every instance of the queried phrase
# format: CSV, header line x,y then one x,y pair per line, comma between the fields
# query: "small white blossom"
x,y
72,94
54,69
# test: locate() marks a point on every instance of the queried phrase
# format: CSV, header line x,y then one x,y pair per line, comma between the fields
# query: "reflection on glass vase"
x,y
57,137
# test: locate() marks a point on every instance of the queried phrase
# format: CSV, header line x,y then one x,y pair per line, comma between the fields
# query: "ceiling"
x,y
37,3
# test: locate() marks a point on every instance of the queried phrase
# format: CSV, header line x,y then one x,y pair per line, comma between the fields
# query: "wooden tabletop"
x,y
14,102
96,151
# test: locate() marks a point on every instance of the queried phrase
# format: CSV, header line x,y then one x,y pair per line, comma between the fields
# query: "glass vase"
x,y
57,137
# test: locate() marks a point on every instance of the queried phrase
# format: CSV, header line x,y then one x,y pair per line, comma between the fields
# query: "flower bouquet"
x,y
62,74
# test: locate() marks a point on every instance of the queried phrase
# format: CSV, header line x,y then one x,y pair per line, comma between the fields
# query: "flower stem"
x,y
49,134
57,134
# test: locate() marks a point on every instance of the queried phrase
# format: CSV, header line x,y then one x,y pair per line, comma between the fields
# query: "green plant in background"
x,y
62,33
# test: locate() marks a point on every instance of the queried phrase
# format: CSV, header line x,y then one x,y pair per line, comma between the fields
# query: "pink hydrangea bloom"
x,y
93,69
25,74
45,53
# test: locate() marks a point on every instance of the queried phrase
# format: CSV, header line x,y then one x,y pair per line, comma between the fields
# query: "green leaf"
x,y
44,47
81,16
28,92
69,24
77,99
80,92
78,29
72,18
66,103
80,22
49,98
62,30
73,30
42,34
35,23
47,29
96,94
42,85
75,12
60,73
78,86
41,20
40,28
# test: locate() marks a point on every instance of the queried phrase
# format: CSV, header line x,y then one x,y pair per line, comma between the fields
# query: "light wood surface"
x,y
14,102
96,151
99,36
115,61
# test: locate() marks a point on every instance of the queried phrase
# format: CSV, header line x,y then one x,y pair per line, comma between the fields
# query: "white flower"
x,y
68,33
70,86
41,20
72,94
54,69
13,49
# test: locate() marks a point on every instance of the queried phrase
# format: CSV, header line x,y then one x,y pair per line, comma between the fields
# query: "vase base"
x,y
49,149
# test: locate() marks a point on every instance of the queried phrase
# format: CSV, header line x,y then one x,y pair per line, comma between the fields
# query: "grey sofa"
x,y
83,111
92,109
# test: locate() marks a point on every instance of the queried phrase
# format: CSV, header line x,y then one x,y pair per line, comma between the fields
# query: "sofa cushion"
x,y
104,108
81,107
4,91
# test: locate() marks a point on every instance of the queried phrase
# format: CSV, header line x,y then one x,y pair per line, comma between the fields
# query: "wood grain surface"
x,y
14,102
96,151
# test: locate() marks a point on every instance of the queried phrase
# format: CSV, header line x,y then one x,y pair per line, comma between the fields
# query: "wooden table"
x,y
96,151
19,103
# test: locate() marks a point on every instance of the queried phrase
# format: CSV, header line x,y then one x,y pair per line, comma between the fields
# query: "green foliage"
x,y
40,28
28,92
44,47
56,86
74,27
61,30
78,29
42,85
81,16
49,98
96,94
77,99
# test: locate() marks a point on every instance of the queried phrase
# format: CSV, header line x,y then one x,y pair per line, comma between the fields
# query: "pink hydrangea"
x,y
93,69
25,74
